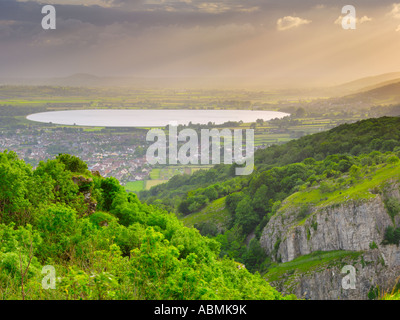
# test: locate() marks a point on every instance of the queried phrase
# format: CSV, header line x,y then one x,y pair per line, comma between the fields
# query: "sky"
x,y
271,41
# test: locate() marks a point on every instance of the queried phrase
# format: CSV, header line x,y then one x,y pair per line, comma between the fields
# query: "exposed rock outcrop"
x,y
85,187
353,225
376,270
348,226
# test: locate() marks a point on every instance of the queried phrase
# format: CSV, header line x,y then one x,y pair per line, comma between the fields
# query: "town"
x,y
117,155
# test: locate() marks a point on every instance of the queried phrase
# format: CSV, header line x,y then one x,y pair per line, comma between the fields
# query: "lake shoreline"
x,y
142,118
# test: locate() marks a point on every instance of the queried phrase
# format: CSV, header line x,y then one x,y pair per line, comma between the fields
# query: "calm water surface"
x,y
150,118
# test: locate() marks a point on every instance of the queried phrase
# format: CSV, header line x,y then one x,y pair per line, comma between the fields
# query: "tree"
x,y
211,193
260,201
245,215
72,163
232,200
64,189
254,255
14,177
110,188
300,112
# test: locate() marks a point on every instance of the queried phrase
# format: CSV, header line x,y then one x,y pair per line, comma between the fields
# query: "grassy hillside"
x,y
103,243
358,185
362,137
314,262
215,213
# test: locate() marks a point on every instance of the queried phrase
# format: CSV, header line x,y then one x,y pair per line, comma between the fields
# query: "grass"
x,y
135,186
168,172
309,263
153,183
359,190
214,212
155,174
395,296
93,129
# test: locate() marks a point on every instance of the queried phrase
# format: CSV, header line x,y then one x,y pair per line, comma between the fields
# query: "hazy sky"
x,y
278,40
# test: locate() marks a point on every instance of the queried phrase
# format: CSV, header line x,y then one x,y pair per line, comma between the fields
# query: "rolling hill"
x,y
368,83
382,95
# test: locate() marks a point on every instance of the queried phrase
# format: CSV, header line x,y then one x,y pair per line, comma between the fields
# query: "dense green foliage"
x,y
123,249
363,137
106,244
327,163
309,184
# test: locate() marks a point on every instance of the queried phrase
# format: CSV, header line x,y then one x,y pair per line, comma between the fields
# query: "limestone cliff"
x,y
377,271
352,225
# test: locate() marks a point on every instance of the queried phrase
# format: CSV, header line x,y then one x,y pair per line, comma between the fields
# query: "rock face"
x,y
85,187
357,226
349,226
376,270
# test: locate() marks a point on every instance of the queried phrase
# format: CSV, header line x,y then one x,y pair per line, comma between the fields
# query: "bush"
x,y
207,228
393,160
304,211
373,245
72,163
392,235
393,207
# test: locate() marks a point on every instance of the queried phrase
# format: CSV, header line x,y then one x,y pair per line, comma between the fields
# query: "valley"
x,y
324,193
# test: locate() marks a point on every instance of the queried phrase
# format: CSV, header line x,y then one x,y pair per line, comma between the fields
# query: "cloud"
x,y
290,22
365,19
187,37
213,7
395,13
361,20
102,3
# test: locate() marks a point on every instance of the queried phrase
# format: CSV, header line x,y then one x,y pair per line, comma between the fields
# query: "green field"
x,y
161,175
153,183
135,186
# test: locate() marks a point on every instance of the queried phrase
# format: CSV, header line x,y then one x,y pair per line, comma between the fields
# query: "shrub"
x,y
72,163
392,206
373,245
304,211
392,235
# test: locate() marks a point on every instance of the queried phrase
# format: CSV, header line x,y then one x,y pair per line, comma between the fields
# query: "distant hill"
x,y
368,83
386,94
79,80
89,80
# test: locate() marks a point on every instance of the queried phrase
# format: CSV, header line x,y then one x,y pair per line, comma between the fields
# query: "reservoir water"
x,y
150,118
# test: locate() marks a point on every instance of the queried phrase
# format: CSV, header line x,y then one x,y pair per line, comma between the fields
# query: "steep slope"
x,y
352,214
212,219
103,243
319,276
